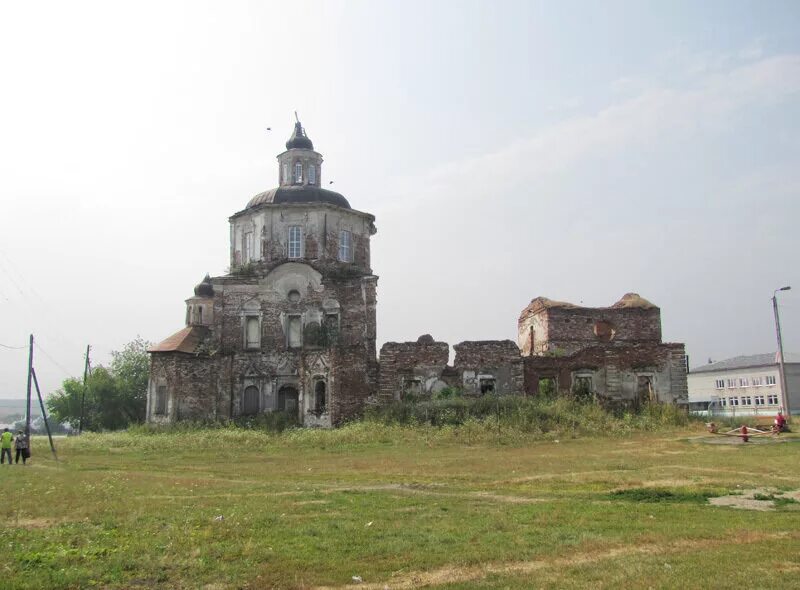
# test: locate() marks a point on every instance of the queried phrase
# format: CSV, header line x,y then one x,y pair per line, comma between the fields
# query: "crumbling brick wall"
x,y
412,368
547,326
489,366
629,374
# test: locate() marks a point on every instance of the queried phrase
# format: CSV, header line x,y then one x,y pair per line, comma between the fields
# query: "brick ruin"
x,y
292,327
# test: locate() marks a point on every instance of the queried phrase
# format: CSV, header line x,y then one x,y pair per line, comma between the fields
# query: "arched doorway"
x,y
250,400
287,399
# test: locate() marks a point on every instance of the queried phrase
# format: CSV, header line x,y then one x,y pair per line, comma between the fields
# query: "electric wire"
x,y
12,347
54,361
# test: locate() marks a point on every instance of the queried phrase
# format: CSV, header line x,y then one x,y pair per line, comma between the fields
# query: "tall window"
x,y
295,241
295,336
285,177
161,400
345,249
731,383
248,247
312,174
770,379
758,381
298,172
720,383
252,332
743,382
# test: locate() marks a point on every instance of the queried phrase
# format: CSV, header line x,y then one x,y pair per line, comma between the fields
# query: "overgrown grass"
x,y
507,420
400,505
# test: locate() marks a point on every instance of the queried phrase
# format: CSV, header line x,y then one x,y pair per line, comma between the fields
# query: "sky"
x,y
509,150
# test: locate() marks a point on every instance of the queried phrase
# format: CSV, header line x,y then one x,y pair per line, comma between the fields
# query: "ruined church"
x,y
291,327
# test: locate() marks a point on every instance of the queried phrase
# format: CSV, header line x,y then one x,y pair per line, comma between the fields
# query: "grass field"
x,y
399,507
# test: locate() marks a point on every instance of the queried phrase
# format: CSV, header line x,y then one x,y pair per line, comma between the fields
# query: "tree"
x,y
131,370
113,398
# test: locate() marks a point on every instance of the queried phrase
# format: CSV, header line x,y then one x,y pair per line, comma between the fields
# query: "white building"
x,y
745,385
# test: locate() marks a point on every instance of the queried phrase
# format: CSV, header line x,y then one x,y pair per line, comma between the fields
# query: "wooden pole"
x,y
28,402
44,415
83,392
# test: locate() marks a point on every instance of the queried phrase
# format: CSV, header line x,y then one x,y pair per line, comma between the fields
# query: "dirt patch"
x,y
753,499
453,575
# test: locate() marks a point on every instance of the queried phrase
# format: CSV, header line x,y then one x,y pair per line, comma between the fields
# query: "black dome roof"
x,y
299,139
204,289
299,194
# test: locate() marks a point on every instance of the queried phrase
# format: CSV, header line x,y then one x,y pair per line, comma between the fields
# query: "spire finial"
x,y
296,118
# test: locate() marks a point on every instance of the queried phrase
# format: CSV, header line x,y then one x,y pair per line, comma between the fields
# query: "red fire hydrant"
x,y
745,438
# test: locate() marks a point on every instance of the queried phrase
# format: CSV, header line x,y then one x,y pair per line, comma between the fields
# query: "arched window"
x,y
298,172
312,174
250,400
320,399
285,177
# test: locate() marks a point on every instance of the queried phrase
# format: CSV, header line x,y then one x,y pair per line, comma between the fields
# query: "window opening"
x,y
287,399
644,388
250,401
320,400
312,174
344,246
295,241
298,172
772,399
161,399
248,247
285,178
412,386
487,385
720,383
252,332
582,386
295,331
759,400
547,386
770,379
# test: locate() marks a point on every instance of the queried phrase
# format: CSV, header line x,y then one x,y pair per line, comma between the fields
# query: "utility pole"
x,y
784,392
28,402
83,391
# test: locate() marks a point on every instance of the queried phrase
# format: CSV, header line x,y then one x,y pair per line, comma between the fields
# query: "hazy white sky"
x,y
576,150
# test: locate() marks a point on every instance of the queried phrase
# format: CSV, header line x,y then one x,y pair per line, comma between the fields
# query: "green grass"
x,y
457,506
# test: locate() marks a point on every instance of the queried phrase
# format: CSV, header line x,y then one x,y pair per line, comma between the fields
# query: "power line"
x,y
12,347
54,361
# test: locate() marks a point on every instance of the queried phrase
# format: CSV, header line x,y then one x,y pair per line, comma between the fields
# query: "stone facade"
x,y
613,353
421,368
292,327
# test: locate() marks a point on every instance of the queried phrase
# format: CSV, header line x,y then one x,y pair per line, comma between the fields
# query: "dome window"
x,y
312,174
298,172
285,177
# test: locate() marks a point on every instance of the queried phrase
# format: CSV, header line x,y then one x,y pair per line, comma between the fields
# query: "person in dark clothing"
x,y
21,445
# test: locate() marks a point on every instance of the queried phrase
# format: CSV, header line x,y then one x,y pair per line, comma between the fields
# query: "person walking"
x,y
5,446
21,446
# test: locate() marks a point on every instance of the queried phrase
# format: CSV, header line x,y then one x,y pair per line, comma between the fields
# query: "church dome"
x,y
299,139
204,288
299,194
